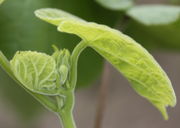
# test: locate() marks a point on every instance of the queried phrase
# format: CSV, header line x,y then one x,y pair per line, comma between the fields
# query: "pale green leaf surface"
x,y
54,18
36,71
5,64
155,14
116,4
130,58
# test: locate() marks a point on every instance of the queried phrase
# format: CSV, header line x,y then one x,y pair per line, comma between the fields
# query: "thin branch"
x,y
103,92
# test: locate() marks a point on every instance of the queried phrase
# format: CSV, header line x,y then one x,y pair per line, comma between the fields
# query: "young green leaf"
x,y
116,4
127,56
36,71
155,14
44,100
53,16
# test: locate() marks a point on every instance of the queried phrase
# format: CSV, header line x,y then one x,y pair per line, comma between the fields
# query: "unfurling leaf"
x,y
63,71
62,58
126,55
36,71
155,14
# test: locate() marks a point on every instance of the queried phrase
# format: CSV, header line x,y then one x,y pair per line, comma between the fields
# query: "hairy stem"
x,y
66,112
67,120
103,92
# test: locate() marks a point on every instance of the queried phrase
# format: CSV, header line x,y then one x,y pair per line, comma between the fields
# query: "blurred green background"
x,y
157,28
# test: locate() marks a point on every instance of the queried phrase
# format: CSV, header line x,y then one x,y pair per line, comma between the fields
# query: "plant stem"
x,y
67,120
65,112
103,92
74,61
